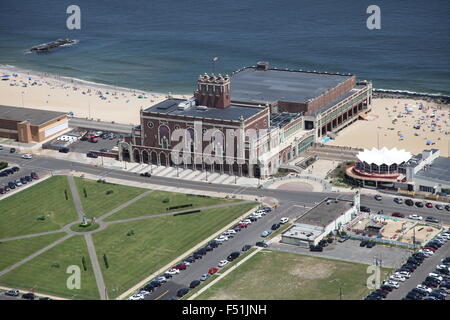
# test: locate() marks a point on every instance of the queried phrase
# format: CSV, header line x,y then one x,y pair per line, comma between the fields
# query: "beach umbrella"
x,y
5,76
429,142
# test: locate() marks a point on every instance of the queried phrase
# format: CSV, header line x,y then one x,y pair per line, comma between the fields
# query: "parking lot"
x,y
22,172
350,250
86,146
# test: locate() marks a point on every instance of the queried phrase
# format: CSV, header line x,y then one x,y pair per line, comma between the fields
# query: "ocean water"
x,y
163,46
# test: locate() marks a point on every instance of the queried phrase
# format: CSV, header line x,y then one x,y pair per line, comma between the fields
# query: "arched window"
x,y
164,136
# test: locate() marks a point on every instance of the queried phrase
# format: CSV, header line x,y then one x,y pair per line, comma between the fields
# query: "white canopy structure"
x,y
384,156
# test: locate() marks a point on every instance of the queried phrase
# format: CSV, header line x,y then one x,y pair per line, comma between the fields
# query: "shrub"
x,y
3,165
166,200
109,192
55,264
40,218
130,233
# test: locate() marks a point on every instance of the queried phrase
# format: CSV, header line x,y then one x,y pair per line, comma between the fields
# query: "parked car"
x,y
266,233
398,200
371,244
415,217
234,255
432,219
173,271
222,263
12,293
205,277
64,150
261,244
138,296
363,243
419,204
194,284
91,155
275,226
316,248
398,215
409,202
12,150
429,205
246,247
364,209
378,197
213,270
182,292
439,207
284,220
28,296
27,156
343,239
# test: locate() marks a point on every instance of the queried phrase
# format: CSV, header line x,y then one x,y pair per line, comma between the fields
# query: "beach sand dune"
x,y
402,123
84,99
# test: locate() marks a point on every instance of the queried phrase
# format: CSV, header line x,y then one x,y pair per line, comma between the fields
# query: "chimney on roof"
x,y
262,65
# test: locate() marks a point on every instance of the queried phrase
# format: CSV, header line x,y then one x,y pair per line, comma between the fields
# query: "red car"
x,y
93,139
398,215
213,270
242,225
180,266
429,205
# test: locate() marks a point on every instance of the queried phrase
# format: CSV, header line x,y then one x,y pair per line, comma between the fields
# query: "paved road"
x,y
291,203
419,275
248,235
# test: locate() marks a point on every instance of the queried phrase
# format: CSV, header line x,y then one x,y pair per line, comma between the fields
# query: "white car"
x,y
187,263
284,220
395,277
162,279
144,292
405,274
422,287
260,212
221,239
247,221
428,251
415,217
173,272
137,297
435,275
222,263
392,283
443,266
27,156
440,238
231,231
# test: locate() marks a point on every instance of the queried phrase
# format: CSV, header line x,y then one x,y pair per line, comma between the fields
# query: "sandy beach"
x,y
402,123
84,99
391,123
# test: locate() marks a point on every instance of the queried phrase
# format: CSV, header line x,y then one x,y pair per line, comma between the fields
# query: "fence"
x,y
385,241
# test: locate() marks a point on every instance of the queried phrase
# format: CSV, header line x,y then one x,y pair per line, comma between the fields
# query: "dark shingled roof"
x,y
258,86
36,117
231,113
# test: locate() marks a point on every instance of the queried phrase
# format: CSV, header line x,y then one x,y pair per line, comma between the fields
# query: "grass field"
x,y
158,201
14,251
98,201
42,207
47,272
155,242
274,275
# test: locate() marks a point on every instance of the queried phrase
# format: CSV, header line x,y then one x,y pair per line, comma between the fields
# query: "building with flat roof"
x,y
31,125
329,215
290,110
399,170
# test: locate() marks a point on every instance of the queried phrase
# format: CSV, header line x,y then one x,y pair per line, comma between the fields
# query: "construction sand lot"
x,y
399,229
392,124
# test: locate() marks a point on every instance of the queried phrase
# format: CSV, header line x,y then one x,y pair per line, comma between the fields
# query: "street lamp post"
x,y
340,287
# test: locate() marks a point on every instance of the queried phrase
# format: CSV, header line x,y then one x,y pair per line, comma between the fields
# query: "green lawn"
x,y
14,251
158,201
47,272
274,275
21,213
156,241
98,201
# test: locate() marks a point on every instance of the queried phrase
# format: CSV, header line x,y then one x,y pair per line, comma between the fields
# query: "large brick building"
x,y
31,125
289,110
